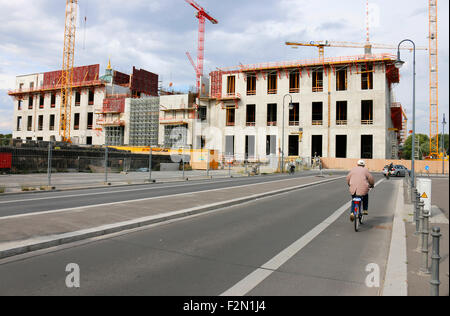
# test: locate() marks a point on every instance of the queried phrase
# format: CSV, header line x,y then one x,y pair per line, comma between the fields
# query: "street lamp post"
x,y
283,132
443,142
399,63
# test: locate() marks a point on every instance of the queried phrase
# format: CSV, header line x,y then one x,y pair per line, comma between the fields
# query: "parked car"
x,y
142,170
399,171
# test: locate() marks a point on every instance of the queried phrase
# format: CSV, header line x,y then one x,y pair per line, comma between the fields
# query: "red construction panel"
x,y
114,105
396,116
144,81
80,74
120,78
5,160
392,74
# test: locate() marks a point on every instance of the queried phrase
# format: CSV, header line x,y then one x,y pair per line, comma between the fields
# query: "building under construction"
x,y
341,107
101,108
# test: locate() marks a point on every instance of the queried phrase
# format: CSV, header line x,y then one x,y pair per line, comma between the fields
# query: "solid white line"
x,y
396,279
121,191
148,199
256,277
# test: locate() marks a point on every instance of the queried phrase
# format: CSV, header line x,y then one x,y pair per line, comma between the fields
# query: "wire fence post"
x,y
150,164
49,165
207,163
106,165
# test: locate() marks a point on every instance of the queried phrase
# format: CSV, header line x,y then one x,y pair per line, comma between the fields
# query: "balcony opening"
x,y
51,126
341,80
229,146
272,83
249,147
316,146
272,114
41,101
341,146
366,77
271,145
77,98
341,113
53,100
293,145
366,146
91,97
231,85
317,81
30,124
294,115
251,115
19,124
202,113
294,82
231,117
30,102
19,105
90,120
40,122
76,121
317,113
367,112
251,85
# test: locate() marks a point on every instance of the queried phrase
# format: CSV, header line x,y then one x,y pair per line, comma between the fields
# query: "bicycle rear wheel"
x,y
356,221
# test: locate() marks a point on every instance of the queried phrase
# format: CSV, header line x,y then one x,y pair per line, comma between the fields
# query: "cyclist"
x,y
360,181
291,167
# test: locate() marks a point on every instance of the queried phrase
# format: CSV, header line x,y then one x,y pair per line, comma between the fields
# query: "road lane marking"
x,y
159,197
259,275
128,190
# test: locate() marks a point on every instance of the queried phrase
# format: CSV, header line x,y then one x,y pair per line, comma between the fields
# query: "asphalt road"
x,y
38,202
211,253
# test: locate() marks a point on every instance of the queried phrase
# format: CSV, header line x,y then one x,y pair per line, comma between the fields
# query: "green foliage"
x,y
6,136
424,146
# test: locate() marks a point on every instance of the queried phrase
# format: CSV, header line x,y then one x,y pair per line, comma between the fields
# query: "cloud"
x,y
155,35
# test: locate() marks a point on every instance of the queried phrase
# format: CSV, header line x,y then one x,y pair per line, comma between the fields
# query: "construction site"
x,y
327,107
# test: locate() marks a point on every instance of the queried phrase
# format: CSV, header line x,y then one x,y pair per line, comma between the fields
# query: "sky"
x,y
156,34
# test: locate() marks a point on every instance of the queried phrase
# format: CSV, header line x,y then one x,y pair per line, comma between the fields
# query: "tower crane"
x,y
67,69
433,57
202,15
367,46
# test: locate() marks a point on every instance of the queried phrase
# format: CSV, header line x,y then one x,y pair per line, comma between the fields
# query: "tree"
x,y
424,146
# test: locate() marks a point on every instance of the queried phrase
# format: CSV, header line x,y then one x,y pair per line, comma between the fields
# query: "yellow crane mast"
x,y
67,69
433,56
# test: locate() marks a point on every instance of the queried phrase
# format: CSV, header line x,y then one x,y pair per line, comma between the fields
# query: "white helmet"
x,y
361,163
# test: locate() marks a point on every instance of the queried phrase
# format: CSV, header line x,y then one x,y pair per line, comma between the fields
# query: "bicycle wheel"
x,y
356,221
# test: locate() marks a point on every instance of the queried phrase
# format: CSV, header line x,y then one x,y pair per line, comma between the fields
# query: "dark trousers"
x,y
365,201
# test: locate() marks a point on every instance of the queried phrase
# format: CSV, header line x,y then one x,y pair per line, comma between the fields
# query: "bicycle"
x,y
356,209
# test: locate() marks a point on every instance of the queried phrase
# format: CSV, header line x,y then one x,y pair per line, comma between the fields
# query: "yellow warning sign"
x,y
424,196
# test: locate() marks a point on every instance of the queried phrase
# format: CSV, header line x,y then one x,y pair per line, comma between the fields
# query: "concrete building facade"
x,y
100,110
340,108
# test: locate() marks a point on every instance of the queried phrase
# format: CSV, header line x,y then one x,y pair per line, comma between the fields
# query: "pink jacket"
x,y
360,180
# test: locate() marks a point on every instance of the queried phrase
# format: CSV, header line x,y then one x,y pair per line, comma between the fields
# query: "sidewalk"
x,y
419,283
29,232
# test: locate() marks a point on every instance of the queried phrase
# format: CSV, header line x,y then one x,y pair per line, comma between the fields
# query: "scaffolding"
x,y
144,121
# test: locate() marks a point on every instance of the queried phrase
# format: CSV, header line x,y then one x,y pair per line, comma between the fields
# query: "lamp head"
x,y
399,63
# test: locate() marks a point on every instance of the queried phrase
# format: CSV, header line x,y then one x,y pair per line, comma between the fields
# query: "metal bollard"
x,y
425,232
417,211
435,260
421,226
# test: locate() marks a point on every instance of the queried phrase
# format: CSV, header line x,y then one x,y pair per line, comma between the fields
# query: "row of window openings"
x,y
40,127
293,146
53,100
294,82
294,115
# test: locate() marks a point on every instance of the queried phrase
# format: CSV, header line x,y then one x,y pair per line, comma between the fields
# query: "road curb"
x,y
58,240
396,277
